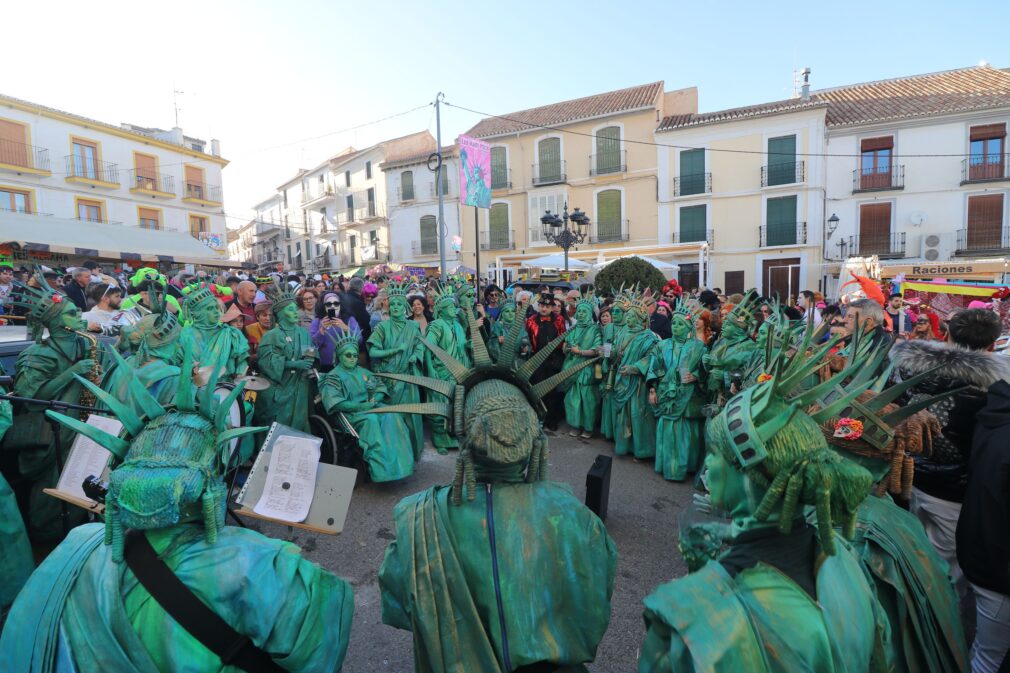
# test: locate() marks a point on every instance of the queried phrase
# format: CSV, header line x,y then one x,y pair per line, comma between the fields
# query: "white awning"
x,y
105,241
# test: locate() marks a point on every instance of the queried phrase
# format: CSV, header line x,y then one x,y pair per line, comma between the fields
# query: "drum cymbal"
x,y
256,383
202,375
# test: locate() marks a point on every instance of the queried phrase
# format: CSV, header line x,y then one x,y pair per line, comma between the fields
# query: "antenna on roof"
x,y
175,103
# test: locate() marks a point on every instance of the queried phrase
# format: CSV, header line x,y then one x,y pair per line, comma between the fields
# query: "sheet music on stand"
x,y
321,506
87,458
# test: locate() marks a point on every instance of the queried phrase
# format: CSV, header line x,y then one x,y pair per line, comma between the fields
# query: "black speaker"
x,y
598,485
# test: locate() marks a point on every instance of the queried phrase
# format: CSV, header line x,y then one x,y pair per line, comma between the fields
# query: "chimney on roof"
x,y
805,89
215,147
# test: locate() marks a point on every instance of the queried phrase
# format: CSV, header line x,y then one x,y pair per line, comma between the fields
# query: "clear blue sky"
x,y
260,74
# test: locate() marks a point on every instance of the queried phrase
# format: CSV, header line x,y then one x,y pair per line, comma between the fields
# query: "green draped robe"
x,y
679,421
614,335
81,613
221,345
16,561
499,329
383,438
555,564
288,400
582,397
726,359
387,335
160,378
450,337
634,422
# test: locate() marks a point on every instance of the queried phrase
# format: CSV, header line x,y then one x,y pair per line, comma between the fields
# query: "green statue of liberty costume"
x,y
731,353
16,562
395,346
285,356
47,370
634,422
352,390
84,610
611,335
502,569
676,373
214,343
582,399
499,330
786,596
447,334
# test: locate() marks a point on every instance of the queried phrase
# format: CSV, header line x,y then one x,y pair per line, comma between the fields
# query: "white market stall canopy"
x,y
107,241
555,261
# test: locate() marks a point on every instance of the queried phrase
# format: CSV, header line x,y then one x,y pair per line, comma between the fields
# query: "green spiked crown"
x,y
687,310
279,296
43,303
344,339
197,294
395,289
445,296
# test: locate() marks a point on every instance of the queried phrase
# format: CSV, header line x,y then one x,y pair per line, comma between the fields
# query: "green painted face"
x,y
633,321
583,315
762,334
731,331
448,311
727,487
71,316
207,314
349,357
507,315
680,329
398,308
617,314
288,316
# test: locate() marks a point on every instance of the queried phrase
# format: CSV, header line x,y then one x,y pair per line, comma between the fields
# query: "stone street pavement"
x,y
642,520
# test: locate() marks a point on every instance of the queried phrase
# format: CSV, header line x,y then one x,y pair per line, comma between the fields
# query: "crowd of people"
x,y
852,454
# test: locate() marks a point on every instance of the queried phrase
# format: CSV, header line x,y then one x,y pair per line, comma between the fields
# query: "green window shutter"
x,y
692,224
608,150
782,160
407,186
549,157
445,180
429,235
608,215
692,172
499,168
498,227
781,221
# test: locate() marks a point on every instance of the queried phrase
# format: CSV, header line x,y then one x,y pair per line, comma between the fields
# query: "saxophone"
x,y
87,398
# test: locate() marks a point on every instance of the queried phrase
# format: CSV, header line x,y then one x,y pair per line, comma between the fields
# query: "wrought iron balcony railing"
x,y
405,194
13,153
610,232
686,185
786,233
706,236
878,180
424,247
783,174
203,192
549,173
314,193
91,169
983,239
608,162
147,182
985,168
885,246
97,220
497,240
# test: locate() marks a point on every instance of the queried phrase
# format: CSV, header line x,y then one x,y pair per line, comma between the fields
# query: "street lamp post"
x,y
557,231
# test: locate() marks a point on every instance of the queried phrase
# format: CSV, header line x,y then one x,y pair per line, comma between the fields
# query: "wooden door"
x,y
874,229
13,147
985,222
781,277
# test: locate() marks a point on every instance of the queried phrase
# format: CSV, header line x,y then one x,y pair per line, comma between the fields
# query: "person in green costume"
x,y
503,569
215,344
785,596
634,422
16,562
351,390
726,363
84,611
499,328
286,355
611,335
47,370
446,333
582,399
677,398
395,346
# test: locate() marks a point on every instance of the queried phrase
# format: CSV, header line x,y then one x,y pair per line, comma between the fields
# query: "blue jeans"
x,y
992,634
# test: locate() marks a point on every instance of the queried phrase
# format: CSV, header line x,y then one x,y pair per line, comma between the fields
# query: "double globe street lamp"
x,y
557,231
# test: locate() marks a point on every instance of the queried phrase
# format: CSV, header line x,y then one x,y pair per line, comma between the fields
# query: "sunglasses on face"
x,y
331,303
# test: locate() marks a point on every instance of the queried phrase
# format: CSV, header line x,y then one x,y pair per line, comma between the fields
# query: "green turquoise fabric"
x,y
80,611
726,358
609,334
386,336
437,578
450,337
220,345
679,422
384,438
16,562
289,397
912,585
634,422
160,378
499,330
582,397
760,621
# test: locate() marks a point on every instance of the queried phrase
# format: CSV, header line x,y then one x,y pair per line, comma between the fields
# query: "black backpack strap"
x,y
190,612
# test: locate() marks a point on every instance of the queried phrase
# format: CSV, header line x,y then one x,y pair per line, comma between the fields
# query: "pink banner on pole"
x,y
474,172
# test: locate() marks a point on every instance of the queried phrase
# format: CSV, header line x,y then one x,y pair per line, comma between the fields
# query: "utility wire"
x,y
561,129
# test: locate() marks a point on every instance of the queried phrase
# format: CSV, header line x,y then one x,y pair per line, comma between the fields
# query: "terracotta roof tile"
x,y
566,112
948,92
417,158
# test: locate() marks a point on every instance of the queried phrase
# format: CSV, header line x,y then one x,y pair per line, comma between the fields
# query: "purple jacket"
x,y
327,356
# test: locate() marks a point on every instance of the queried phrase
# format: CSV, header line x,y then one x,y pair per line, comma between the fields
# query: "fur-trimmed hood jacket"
x,y
978,369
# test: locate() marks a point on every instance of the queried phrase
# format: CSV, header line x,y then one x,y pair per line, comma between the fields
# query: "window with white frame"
x,y
540,203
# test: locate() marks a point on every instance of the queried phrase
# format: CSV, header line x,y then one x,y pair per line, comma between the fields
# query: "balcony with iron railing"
x,y
981,239
783,174
608,162
96,220
985,168
23,158
24,211
610,232
684,237
424,247
374,253
687,185
497,240
886,246
369,211
447,190
784,233
501,178
91,171
202,193
406,195
154,185
549,173
878,179
315,192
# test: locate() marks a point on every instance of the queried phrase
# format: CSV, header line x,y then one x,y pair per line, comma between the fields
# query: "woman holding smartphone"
x,y
330,324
